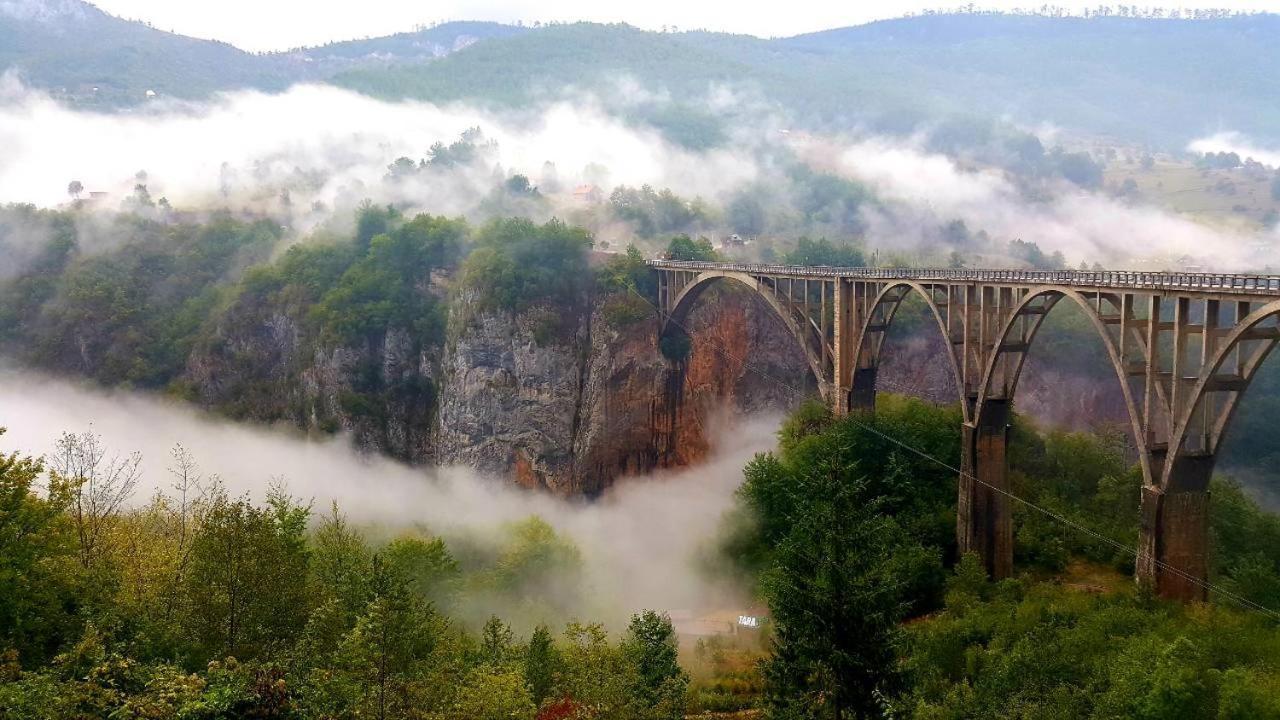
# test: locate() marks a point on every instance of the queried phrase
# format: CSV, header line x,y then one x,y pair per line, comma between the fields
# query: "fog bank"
x,y
323,143
314,152
640,543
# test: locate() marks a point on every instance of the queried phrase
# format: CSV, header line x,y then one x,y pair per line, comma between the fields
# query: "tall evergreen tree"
x,y
540,661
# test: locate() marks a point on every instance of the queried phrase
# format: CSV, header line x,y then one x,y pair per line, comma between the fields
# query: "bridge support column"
x,y
1174,531
863,395
844,340
984,519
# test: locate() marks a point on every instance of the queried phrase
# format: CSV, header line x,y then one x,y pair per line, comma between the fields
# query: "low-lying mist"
x,y
311,154
326,145
925,188
644,544
1234,142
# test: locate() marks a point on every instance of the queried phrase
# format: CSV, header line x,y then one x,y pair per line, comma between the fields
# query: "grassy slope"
x,y
1224,198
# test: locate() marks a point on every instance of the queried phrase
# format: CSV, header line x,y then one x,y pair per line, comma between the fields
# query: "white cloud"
x,y
1235,142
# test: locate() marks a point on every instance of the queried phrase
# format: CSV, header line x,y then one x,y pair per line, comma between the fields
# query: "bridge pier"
x,y
984,519
1174,531
862,397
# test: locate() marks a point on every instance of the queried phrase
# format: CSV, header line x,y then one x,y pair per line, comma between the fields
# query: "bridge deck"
x,y
1183,282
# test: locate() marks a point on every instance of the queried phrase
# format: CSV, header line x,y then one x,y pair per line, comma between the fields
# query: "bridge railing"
x,y
1176,281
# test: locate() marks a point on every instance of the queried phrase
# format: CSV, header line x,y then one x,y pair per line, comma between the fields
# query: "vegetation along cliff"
x,y
512,347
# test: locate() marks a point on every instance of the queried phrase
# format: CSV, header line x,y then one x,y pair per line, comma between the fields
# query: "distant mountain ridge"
x,y
408,47
88,57
1160,81
1144,80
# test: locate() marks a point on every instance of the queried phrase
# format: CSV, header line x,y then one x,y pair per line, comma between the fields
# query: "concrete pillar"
x,y
843,339
984,519
1173,539
863,395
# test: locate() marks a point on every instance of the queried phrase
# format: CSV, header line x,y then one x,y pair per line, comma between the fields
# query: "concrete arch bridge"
x,y
1184,347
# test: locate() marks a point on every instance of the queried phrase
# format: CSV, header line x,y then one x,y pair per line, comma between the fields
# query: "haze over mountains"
x,y
1140,80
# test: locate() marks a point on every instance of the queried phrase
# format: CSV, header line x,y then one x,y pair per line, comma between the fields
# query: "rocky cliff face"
x,y
258,367
568,405
569,410
573,414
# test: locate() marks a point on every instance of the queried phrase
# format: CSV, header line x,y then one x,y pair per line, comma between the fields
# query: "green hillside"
x,y
421,44
1166,80
1138,79
1141,79
70,48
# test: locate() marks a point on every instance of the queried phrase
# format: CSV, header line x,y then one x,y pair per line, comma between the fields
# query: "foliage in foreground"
x,y
204,605
848,531
1024,650
850,535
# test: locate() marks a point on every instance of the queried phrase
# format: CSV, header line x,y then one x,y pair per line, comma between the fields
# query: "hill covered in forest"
x,y
1141,79
87,57
84,55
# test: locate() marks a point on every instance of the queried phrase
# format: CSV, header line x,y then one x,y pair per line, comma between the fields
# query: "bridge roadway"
x,y
1184,347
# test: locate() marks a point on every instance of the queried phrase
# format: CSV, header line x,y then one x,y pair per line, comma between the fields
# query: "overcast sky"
x,y
282,24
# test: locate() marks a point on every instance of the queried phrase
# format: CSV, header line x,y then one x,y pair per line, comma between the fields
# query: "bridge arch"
x,y
689,294
1215,397
1009,350
874,330
1184,345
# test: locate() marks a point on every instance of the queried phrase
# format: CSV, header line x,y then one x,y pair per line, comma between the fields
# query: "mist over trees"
x,y
199,604
329,246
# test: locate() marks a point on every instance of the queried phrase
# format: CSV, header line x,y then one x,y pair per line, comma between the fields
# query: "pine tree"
x,y
540,662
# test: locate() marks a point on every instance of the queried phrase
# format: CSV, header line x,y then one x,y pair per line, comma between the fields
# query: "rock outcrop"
x,y
573,414
567,401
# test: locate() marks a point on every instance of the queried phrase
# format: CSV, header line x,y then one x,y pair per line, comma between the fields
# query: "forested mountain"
x,y
419,45
1128,76
86,56
1141,79
71,47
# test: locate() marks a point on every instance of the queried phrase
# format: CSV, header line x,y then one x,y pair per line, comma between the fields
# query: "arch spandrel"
x,y
1180,400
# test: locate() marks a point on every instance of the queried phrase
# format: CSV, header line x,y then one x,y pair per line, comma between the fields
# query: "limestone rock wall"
x,y
575,414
